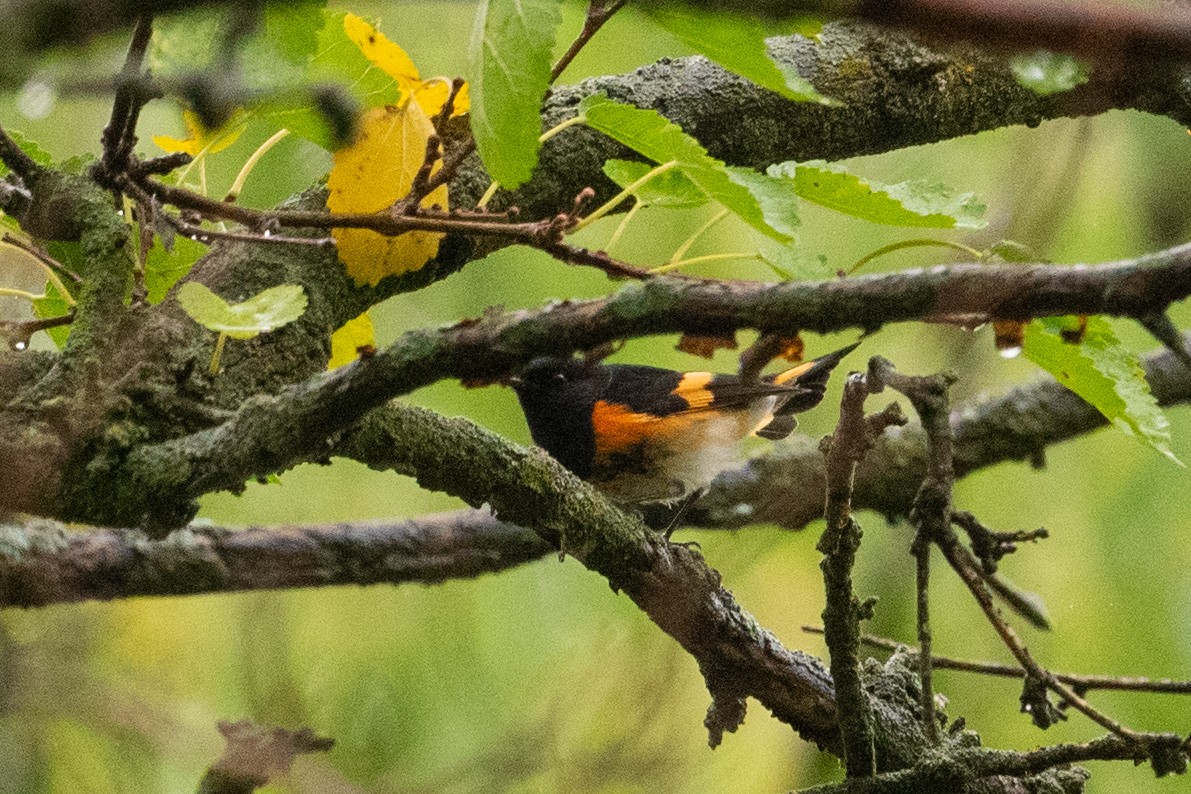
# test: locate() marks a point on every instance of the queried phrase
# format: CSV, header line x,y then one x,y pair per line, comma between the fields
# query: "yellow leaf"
x,y
199,137
347,341
369,176
432,93
393,61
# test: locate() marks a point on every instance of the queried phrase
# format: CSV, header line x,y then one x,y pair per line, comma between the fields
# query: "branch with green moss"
x,y
43,565
271,433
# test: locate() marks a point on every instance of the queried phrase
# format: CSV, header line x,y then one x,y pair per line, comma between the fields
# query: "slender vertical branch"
x,y
841,539
931,513
921,551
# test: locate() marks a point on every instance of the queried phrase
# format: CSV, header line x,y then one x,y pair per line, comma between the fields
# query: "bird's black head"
x,y
550,374
557,396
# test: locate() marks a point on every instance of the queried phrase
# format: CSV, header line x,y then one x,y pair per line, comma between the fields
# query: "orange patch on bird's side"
x,y
792,373
619,428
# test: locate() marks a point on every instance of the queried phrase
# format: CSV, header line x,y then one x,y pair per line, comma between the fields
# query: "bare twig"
x,y
598,12
843,611
15,158
932,513
18,334
1080,683
132,92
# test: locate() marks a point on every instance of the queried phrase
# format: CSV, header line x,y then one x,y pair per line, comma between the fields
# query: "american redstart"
x,y
643,434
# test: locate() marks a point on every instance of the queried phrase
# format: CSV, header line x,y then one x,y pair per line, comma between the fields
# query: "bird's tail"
x,y
808,384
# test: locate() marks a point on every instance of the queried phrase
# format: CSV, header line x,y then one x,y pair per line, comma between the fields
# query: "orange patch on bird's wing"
x,y
619,428
693,389
792,373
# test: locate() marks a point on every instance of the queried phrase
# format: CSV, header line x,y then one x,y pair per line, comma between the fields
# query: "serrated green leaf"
x,y
163,268
35,152
911,203
737,43
1104,373
760,201
669,189
792,263
263,312
53,305
1046,73
776,197
510,59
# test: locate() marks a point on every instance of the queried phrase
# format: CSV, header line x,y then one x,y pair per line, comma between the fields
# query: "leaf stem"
x,y
12,292
919,242
214,368
615,201
50,275
233,192
545,136
688,242
628,216
695,260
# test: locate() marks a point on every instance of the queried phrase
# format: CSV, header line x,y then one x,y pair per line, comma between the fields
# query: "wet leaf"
x,y
263,312
347,342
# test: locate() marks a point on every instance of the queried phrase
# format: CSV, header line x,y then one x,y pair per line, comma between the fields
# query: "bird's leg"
x,y
685,505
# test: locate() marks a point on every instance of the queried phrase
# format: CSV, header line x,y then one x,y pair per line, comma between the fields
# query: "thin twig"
x,y
15,157
18,334
597,14
132,91
1080,683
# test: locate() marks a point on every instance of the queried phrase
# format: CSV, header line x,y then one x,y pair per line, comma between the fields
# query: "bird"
x,y
644,434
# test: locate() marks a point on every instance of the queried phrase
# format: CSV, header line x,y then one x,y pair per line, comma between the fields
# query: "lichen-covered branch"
x,y
42,562
671,583
272,433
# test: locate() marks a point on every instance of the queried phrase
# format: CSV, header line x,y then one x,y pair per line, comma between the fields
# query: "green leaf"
x,y
911,203
163,268
776,197
511,50
1104,373
265,311
1046,73
53,305
737,43
668,189
38,154
339,62
765,203
792,263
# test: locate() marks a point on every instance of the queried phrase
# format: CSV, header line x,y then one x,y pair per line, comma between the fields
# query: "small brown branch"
x,y
989,546
15,158
1164,330
1080,683
931,513
41,256
18,334
843,612
132,92
1103,31
54,565
598,12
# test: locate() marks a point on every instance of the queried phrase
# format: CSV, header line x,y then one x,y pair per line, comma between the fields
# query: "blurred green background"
x,y
541,678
